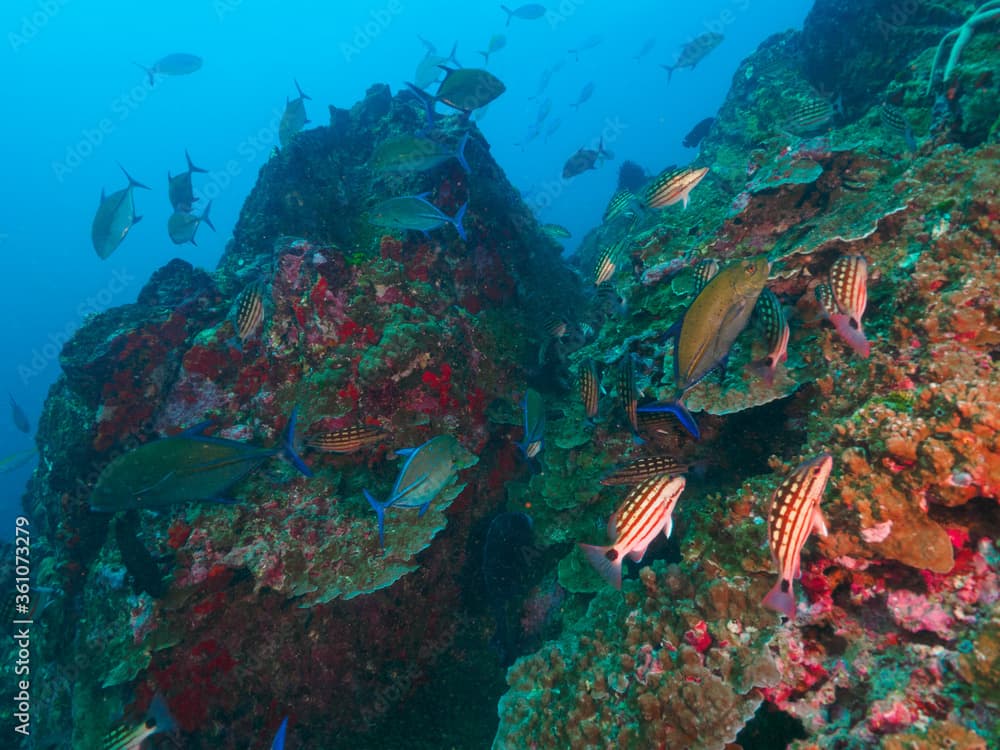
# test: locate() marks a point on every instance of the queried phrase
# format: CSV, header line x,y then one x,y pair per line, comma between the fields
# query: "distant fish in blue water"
x,y
279,738
509,561
527,12
176,64
294,118
14,461
179,187
497,43
415,212
556,231
585,93
429,69
646,48
585,159
533,408
428,469
181,226
587,44
20,418
115,217
185,467
694,52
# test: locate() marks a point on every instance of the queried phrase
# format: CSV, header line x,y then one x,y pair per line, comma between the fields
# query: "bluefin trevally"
x,y
175,64
414,153
428,469
189,466
415,212
181,226
279,738
294,117
115,217
20,418
179,187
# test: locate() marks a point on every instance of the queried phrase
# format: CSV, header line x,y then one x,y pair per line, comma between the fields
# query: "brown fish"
x,y
348,439
810,117
248,311
673,186
795,513
709,327
585,159
694,52
849,285
644,468
627,393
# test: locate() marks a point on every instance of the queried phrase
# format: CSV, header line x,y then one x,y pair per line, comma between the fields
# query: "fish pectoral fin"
x,y
159,483
819,522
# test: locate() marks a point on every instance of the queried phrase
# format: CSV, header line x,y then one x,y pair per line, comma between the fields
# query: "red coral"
x,y
441,382
178,534
699,637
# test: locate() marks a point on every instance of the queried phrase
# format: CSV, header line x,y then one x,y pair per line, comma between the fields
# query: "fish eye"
x,y
150,723
611,554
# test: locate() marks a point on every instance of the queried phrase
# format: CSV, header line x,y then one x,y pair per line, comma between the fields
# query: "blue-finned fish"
x,y
131,736
708,329
428,469
415,153
646,510
279,738
416,212
533,408
794,515
188,466
771,318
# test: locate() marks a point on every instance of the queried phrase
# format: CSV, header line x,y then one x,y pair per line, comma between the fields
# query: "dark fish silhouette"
x,y
176,64
584,159
179,186
20,418
294,117
115,217
698,132
139,563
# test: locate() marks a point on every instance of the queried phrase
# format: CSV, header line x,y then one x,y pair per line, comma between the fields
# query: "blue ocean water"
x,y
78,106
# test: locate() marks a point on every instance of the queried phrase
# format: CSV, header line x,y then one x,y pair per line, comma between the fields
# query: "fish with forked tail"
x,y
694,52
294,118
794,514
115,217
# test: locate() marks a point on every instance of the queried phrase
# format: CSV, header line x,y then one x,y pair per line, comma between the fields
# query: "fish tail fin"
x,y
379,509
509,12
191,166
670,71
279,738
610,569
132,182
457,221
159,712
460,154
765,368
302,94
850,330
486,57
781,600
149,72
451,55
204,216
288,445
680,411
426,100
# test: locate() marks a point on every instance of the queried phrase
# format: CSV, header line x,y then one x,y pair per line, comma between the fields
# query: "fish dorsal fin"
x,y
404,451
198,429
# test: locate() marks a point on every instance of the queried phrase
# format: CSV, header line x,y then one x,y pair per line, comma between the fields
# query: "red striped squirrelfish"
x,y
795,513
646,510
849,283
644,468
589,388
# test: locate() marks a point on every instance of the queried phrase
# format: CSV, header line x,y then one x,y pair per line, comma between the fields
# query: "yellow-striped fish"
x,y
645,511
795,513
346,439
130,736
809,117
704,272
849,285
556,326
644,468
607,263
589,382
709,328
627,393
771,317
673,186
248,311
622,202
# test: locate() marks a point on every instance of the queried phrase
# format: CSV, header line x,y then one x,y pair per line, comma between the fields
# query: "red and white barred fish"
x,y
646,510
849,291
795,514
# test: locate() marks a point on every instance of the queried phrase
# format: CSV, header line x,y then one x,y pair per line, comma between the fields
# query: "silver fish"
x,y
181,226
115,217
294,117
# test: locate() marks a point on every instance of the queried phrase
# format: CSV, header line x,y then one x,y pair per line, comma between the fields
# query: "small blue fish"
x,y
534,424
428,469
279,738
